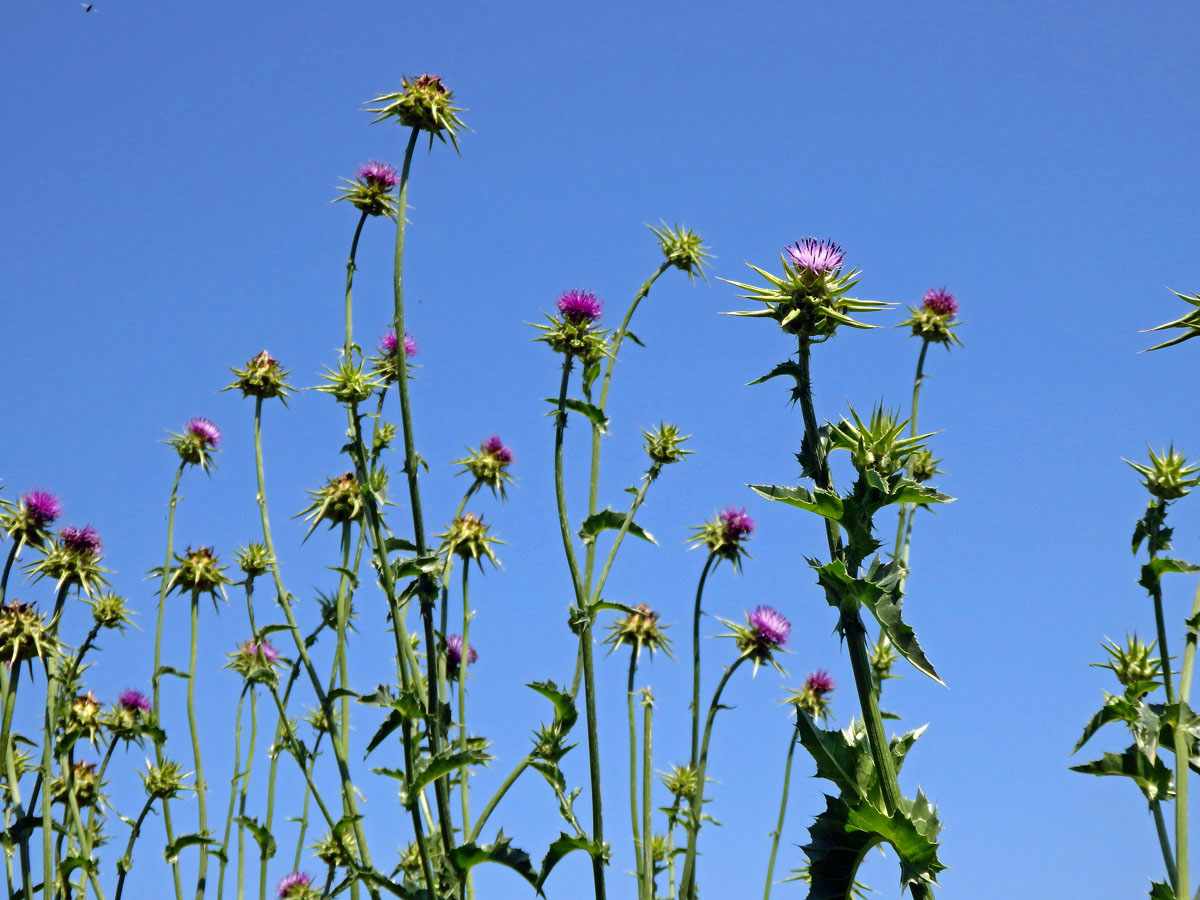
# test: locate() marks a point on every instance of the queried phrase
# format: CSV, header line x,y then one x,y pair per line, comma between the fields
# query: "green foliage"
x,y
561,846
608,518
1148,773
593,414
500,851
820,501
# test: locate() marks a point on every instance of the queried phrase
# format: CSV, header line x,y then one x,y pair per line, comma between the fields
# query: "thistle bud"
x,y
488,465
340,500
83,716
255,661
812,698
348,383
934,319
73,560
23,634
254,559
876,445
130,716
682,248
423,103
922,466
297,886
1134,664
724,535
165,781
84,784
338,850
197,442
663,444
454,656
387,363
200,572
109,611
467,536
765,631
638,629
371,189
36,511
573,332
262,377
1169,475
681,782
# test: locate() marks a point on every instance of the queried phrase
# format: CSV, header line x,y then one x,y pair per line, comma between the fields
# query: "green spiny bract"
x,y
467,536
662,444
575,338
876,444
1169,476
488,465
23,634
165,780
637,629
83,783
1134,664
935,327
71,563
683,248
200,572
922,466
82,717
806,302
338,849
349,383
423,103
254,559
1190,323
262,377
339,500
109,611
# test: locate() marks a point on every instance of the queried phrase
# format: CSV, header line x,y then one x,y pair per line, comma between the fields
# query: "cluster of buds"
x,y
164,781
82,717
371,189
933,320
467,536
723,535
765,631
198,572
637,629
256,661
197,442
84,783
922,466
34,513
875,445
297,886
338,850
809,300
813,697
263,377
573,331
72,561
254,559
339,500
454,656
662,444
1169,476
1134,664
387,363
683,248
423,103
489,464
109,611
130,716
23,634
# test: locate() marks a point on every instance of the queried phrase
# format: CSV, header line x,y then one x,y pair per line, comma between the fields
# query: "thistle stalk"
x,y
633,774
1183,753
783,799
647,783
696,613
200,785
908,510
462,713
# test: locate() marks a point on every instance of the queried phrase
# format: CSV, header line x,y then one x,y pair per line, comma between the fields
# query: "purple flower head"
x,y
81,540
42,507
940,302
289,883
819,682
579,306
133,700
204,431
454,651
387,344
379,174
261,648
769,626
494,447
736,523
817,256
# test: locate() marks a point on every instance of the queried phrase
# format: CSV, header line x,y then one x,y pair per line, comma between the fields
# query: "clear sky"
x,y
168,169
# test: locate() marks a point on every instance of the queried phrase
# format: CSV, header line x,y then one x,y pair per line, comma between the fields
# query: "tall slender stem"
x,y
462,712
783,799
687,881
908,510
696,613
243,790
1183,754
633,772
133,836
647,785
1164,842
496,797
200,784
233,791
350,267
158,631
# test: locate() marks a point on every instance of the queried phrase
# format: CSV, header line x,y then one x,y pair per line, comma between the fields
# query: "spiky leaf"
x,y
608,518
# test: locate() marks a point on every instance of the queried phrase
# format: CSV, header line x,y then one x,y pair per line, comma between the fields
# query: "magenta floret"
x,y
579,306
819,682
43,507
817,256
770,627
289,883
134,700
379,173
494,447
940,302
454,651
736,523
80,540
205,431
387,344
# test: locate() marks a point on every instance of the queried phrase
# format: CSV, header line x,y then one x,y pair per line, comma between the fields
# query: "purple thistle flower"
x,y
769,626
494,447
579,306
261,648
387,344
940,302
81,540
819,682
378,173
301,880
204,431
42,507
454,651
817,256
736,523
133,700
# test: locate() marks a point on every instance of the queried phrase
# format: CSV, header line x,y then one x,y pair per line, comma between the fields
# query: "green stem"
x,y
696,613
13,551
633,773
908,510
1164,842
647,784
462,715
564,523
1183,753
350,267
496,797
687,881
243,790
200,784
133,836
783,799
158,632
639,498
233,789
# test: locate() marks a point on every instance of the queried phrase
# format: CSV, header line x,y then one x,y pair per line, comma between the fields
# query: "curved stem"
x,y
564,523
158,631
647,480
908,510
13,552
783,799
687,881
496,797
128,857
696,613
633,773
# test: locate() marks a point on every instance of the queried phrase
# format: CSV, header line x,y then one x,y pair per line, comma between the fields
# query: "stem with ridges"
x,y
696,613
200,785
1183,753
633,772
647,783
783,799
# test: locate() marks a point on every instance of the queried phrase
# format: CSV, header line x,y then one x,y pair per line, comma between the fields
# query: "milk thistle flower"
x,y
638,629
84,784
340,500
199,571
199,439
765,631
683,248
387,363
454,655
131,717
809,300
934,319
296,886
423,103
812,697
35,512
488,465
83,716
467,536
73,560
255,661
573,331
134,701
1169,476
263,377
370,191
723,535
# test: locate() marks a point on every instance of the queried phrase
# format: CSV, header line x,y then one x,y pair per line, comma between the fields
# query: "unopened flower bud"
x,y
423,103
467,536
371,189
339,501
663,444
638,629
197,442
262,377
254,559
200,572
165,781
683,248
1169,476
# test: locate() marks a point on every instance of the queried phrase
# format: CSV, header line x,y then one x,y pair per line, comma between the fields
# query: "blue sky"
x,y
168,171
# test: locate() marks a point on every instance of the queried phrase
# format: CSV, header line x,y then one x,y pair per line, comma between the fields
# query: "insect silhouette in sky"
x,y
87,7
